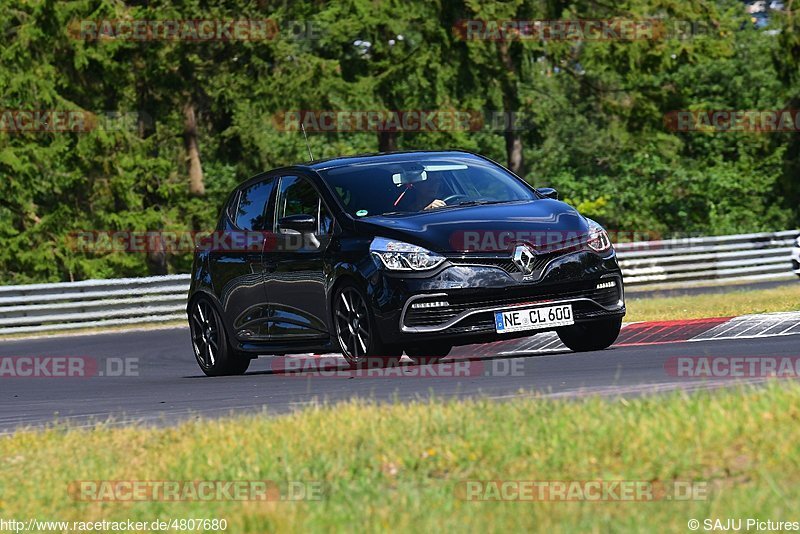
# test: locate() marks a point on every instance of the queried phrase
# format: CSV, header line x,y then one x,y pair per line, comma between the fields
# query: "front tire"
x,y
213,352
356,332
595,335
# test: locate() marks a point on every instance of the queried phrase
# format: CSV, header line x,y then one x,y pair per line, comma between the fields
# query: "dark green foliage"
x,y
594,114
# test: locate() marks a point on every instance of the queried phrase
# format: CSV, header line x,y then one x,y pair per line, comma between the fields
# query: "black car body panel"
x,y
436,230
274,298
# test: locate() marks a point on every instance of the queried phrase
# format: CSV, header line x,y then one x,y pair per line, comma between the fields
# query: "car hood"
x,y
544,224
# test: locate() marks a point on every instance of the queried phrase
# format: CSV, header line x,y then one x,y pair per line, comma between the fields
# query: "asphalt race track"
x,y
163,384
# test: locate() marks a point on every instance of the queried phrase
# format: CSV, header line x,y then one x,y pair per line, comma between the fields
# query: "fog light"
x,y
604,285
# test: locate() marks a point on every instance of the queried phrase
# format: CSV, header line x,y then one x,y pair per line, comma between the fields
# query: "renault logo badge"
x,y
524,258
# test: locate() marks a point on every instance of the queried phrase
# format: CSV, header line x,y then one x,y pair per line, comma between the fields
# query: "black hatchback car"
x,y
413,252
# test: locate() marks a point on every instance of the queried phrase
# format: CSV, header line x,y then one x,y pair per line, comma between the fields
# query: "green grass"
x,y
729,304
396,467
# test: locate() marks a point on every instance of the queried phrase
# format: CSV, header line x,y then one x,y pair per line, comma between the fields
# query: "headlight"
x,y
399,256
598,237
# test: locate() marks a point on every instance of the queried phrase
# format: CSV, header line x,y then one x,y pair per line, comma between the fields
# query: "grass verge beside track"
x,y
397,467
729,304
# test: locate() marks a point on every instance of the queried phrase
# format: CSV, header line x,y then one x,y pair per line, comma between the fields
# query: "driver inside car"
x,y
426,194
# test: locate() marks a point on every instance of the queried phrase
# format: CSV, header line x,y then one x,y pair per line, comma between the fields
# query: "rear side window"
x,y
250,212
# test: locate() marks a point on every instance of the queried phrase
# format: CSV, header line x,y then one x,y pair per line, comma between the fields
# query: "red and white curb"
x,y
644,333
658,332
754,326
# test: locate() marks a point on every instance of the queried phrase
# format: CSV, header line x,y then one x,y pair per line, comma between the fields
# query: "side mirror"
x,y
548,192
305,224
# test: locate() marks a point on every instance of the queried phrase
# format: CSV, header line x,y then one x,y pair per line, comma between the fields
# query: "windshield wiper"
x,y
481,202
460,204
396,212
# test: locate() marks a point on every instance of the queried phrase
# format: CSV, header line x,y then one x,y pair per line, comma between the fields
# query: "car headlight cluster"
x,y
400,256
598,237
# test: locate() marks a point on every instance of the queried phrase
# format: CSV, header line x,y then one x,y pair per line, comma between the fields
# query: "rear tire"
x,y
428,354
356,331
213,352
596,335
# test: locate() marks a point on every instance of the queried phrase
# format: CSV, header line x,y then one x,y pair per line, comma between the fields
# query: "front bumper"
x,y
456,304
796,260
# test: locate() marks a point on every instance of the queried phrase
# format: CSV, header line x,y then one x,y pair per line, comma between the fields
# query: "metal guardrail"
x,y
645,265
702,261
92,303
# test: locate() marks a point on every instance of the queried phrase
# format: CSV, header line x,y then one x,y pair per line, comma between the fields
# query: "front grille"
x,y
462,301
502,262
795,265
505,262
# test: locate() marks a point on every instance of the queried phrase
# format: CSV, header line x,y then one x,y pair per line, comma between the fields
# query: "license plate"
x,y
533,318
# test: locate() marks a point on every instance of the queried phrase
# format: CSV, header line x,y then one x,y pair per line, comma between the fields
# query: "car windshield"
x,y
401,187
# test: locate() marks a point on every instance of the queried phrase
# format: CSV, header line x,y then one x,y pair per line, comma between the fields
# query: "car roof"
x,y
361,159
384,157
